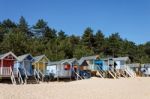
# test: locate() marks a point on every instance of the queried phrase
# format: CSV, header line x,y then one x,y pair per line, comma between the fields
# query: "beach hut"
x,y
88,63
136,67
67,68
106,68
107,63
96,65
120,64
145,69
7,67
88,66
28,72
40,63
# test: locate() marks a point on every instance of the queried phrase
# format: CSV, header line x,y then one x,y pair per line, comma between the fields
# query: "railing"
x,y
12,76
20,78
15,71
36,74
41,74
8,72
131,72
25,73
5,71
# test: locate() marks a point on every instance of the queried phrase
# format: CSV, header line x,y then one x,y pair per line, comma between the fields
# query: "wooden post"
x,y
44,69
71,71
77,72
44,65
2,67
38,66
57,73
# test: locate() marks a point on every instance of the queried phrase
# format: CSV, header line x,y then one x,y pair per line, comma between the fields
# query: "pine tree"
x,y
88,38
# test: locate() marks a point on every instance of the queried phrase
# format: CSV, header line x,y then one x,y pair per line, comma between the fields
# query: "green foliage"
x,y
99,42
40,24
15,41
20,39
88,38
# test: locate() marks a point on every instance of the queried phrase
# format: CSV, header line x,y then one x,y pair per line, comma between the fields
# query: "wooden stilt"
x,y
99,74
111,74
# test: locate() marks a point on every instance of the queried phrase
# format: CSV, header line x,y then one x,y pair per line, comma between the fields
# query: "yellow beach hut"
x,y
40,63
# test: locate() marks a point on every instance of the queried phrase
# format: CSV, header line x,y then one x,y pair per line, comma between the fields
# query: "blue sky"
x,y
131,18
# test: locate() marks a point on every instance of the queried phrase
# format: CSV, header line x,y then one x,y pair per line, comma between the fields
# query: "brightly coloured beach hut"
x,y
105,67
6,66
89,62
26,68
40,63
88,66
25,64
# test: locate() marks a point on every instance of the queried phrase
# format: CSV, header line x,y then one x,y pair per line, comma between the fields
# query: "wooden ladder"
x,y
116,74
12,76
78,75
121,74
111,74
20,77
128,73
99,74
36,73
39,72
26,76
17,75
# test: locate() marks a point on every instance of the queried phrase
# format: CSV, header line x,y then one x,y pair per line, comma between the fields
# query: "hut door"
x,y
52,69
118,65
28,67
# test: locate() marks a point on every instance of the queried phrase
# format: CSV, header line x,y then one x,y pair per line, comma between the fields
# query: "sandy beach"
x,y
94,88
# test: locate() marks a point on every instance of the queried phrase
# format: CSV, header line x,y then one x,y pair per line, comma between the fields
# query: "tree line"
x,y
38,39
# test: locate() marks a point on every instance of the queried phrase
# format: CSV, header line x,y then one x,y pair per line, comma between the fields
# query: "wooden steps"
x,y
100,74
112,75
31,80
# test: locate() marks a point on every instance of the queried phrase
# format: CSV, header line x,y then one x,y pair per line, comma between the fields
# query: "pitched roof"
x,y
38,58
54,63
87,58
22,57
121,58
2,56
63,61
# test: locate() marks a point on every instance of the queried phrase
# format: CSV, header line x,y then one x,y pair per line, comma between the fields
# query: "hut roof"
x,y
121,58
147,65
63,61
87,58
38,58
2,56
23,57
134,65
54,63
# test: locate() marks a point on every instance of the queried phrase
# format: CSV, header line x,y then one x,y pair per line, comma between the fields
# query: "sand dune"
x,y
94,88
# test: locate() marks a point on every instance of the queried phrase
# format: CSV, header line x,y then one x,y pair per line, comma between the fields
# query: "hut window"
x,y
75,67
67,67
